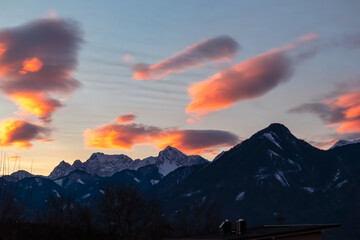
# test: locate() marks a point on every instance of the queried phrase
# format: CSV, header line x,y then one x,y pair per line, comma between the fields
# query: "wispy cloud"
x,y
36,64
128,58
126,136
221,48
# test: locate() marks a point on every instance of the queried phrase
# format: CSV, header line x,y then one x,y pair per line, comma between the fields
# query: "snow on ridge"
x,y
153,182
191,193
240,196
59,181
309,189
337,175
340,184
86,196
136,179
294,164
269,136
166,167
341,143
79,181
272,154
280,177
57,194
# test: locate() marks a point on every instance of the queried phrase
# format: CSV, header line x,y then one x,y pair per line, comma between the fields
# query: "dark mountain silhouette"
x,y
270,178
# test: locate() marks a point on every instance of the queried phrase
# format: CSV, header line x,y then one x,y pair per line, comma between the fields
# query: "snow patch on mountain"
x,y
273,154
191,193
57,193
337,175
153,182
309,189
59,181
79,181
280,177
86,196
240,196
340,184
270,136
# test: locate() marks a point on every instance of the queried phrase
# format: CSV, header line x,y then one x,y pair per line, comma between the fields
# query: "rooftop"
x,y
267,231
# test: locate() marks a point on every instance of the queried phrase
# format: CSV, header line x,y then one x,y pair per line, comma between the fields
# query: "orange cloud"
x,y
2,48
19,133
121,136
32,65
222,48
36,62
37,104
349,127
341,110
247,80
126,119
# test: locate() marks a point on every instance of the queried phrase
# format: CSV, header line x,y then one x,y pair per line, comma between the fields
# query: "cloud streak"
x,y
221,48
20,133
36,64
126,136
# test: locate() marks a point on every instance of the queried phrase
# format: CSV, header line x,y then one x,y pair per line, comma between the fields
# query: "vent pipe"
x,y
240,226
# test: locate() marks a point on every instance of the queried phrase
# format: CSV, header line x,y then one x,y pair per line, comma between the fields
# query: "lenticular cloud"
x,y
221,48
125,136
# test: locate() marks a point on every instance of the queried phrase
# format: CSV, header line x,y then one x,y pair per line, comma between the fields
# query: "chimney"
x,y
240,226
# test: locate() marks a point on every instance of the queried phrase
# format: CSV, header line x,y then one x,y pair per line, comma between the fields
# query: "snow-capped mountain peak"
x,y
62,169
171,154
106,165
341,143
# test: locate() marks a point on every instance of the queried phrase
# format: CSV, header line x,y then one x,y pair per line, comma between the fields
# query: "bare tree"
x,y
130,216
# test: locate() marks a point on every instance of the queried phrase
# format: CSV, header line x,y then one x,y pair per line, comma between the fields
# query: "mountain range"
x,y
270,178
106,165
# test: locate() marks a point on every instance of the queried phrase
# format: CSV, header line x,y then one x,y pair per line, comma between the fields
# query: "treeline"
x,y
121,212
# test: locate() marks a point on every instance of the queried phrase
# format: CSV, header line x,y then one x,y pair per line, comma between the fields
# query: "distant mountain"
x,y
341,143
106,165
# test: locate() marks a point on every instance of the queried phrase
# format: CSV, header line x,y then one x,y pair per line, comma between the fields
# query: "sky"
x,y
131,77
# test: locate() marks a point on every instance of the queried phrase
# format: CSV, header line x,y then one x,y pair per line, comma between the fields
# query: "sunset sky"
x,y
131,77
